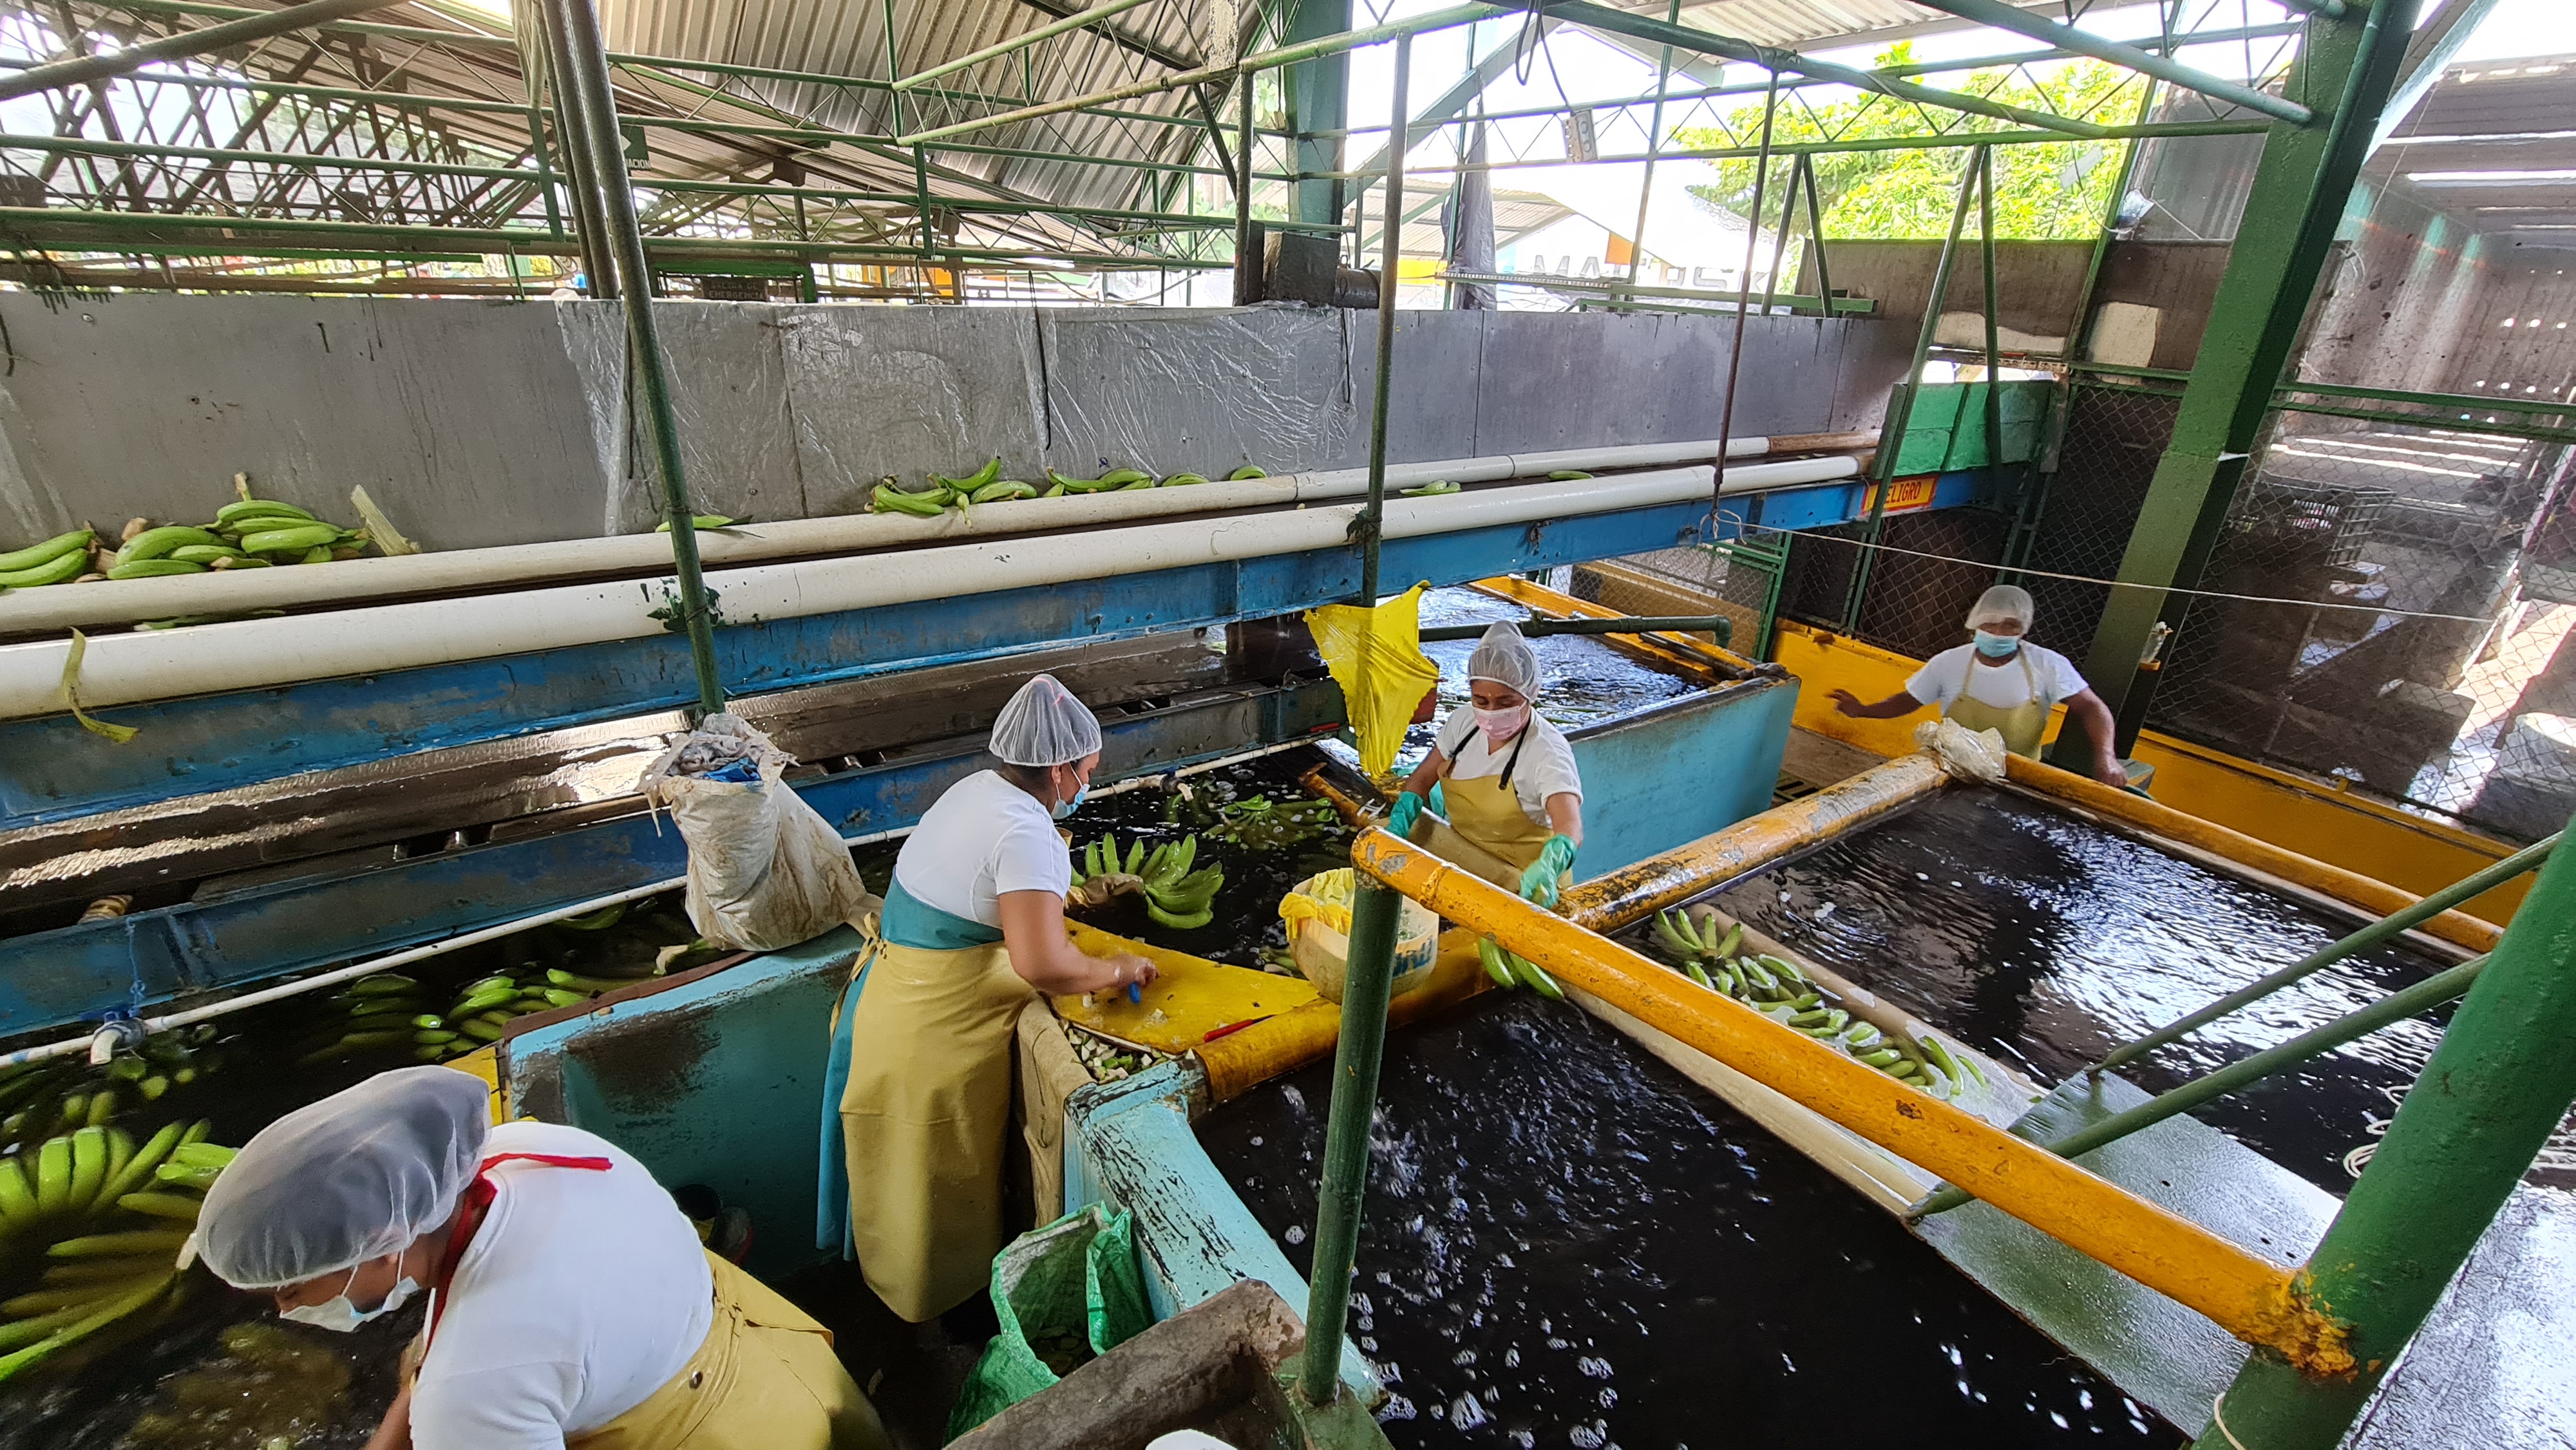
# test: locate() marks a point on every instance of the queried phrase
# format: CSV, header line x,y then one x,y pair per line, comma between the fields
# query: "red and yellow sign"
x,y
1903,494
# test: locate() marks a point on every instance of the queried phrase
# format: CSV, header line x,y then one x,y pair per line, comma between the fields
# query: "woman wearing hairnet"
x,y
2000,681
1506,777
570,1304
974,921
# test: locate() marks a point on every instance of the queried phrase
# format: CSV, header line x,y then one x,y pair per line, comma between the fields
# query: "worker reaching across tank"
x,y
973,923
570,1303
2000,681
1506,778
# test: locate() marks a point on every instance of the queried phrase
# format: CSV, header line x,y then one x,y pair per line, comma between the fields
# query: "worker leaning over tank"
x,y
2000,681
1504,777
570,1302
918,1099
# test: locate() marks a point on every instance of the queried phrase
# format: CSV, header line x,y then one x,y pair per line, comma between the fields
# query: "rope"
x,y
1751,528
2217,1417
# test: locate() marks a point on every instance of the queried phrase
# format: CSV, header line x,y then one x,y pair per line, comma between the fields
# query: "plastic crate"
x,y
2324,523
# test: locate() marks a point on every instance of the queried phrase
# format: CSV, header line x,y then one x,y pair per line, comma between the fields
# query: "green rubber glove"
x,y
1438,807
1407,810
1538,883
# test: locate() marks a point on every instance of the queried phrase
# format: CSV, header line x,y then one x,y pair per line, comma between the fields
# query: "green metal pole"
x,y
2495,1090
1316,94
1247,267
1900,408
588,71
1744,293
1366,980
2297,202
1994,349
1371,524
2397,1006
1021,41
2526,859
589,219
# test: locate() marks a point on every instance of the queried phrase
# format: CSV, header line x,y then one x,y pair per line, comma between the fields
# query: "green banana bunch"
x,y
58,559
1060,484
1567,475
962,487
1433,489
1182,480
1249,470
1005,490
1510,970
1184,902
926,503
1118,478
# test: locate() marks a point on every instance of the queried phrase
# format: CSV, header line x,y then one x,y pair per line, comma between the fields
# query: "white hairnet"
x,y
2003,603
1045,725
1506,659
356,1176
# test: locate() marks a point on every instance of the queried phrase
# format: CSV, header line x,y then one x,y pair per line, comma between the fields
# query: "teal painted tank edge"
x,y
1129,1144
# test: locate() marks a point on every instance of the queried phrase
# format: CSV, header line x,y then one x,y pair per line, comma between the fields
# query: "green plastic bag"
x,y
1064,1293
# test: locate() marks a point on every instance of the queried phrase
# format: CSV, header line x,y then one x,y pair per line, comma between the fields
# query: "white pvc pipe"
x,y
34,611
260,653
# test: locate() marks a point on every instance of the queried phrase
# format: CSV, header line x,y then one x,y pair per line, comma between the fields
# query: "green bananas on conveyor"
x,y
1779,989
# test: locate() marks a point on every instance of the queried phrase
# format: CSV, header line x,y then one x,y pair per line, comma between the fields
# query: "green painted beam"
x,y
1771,58
1080,19
2495,1089
2300,186
81,70
1951,142
2084,42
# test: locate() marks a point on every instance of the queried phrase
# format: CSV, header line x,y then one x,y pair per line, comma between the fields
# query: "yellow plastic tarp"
x,y
1376,656
1190,999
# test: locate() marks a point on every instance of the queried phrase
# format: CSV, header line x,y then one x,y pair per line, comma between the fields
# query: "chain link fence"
x,y
2417,650
2089,501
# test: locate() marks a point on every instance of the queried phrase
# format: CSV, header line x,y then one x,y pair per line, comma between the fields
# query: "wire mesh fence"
x,y
2416,649
1733,581
2089,504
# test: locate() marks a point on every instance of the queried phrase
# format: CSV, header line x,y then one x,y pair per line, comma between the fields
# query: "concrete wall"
x,y
478,423
2039,283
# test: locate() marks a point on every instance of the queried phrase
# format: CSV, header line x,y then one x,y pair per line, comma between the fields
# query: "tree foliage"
x,y
2046,191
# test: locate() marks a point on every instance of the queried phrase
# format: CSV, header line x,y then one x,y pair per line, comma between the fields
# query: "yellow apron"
x,y
1487,811
765,1379
926,1120
2021,726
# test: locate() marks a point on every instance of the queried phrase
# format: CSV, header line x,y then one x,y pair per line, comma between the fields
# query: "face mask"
x,y
1066,808
1996,646
1502,725
342,1317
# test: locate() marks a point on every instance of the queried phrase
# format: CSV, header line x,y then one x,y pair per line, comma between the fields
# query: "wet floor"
x,y
2047,940
1567,1242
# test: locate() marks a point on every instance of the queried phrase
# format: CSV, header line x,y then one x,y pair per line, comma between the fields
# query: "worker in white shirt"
x,y
570,1303
1506,778
2000,681
973,925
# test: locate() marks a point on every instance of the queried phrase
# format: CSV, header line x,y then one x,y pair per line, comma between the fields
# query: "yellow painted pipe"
x,y
2374,896
2252,1298
1637,891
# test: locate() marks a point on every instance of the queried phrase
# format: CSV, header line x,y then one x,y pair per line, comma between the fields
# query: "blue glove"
x,y
1438,807
1538,883
1407,810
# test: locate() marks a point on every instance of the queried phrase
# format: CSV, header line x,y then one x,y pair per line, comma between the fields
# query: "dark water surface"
x,y
1567,1242
2047,940
1582,678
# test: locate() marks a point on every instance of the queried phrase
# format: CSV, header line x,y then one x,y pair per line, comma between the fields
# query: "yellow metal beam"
x,y
1633,892
2253,1299
2376,897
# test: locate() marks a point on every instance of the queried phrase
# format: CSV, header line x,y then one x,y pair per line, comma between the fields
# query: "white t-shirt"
x,y
582,1294
983,838
1953,671
1545,767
